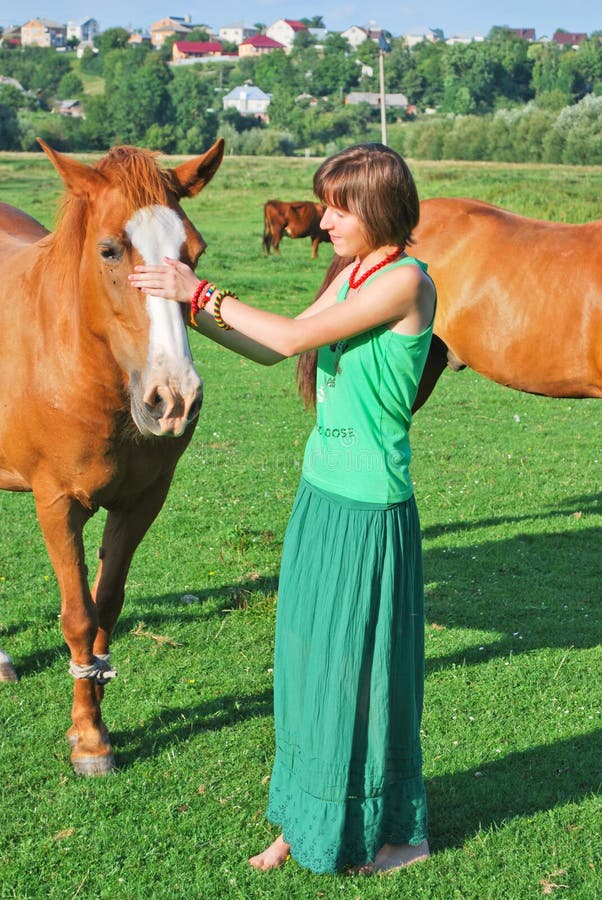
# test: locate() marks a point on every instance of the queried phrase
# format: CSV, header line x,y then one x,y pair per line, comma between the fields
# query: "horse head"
x,y
123,211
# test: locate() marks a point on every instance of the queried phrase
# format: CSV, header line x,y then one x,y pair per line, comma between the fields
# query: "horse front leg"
x,y
62,520
124,529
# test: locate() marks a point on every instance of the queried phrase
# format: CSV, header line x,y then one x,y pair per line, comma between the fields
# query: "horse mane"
x,y
140,181
136,172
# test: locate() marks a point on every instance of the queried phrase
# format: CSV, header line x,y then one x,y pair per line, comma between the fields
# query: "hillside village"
x,y
239,41
294,86
248,40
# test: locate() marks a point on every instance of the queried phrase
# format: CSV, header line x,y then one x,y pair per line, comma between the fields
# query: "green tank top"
x,y
366,386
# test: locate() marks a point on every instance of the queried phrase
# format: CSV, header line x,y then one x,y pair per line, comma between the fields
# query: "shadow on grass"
x,y
581,503
176,725
208,603
520,784
156,612
532,591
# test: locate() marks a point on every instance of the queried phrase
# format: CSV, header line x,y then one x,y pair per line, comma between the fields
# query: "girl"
x,y
346,787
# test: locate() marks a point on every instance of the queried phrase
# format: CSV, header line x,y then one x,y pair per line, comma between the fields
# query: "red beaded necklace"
x,y
355,284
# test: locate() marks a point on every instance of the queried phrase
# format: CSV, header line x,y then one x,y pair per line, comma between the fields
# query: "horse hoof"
x,y
7,670
94,765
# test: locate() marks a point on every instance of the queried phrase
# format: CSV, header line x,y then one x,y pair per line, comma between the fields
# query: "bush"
x,y
576,136
70,86
467,139
425,138
9,128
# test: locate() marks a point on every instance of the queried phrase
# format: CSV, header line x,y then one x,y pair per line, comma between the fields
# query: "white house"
x,y
249,100
285,31
83,30
412,39
392,101
236,34
355,35
464,39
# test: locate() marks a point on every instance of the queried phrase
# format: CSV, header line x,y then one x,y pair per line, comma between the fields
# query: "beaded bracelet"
x,y
218,296
196,302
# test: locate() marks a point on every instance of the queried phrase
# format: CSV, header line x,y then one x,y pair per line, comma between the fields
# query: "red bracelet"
x,y
196,303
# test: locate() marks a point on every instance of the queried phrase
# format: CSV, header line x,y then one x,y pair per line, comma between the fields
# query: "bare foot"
x,y
392,857
273,856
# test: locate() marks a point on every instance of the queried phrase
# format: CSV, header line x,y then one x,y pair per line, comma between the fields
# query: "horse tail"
x,y
267,230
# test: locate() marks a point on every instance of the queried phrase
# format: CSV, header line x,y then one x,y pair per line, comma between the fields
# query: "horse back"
x,y
18,229
519,299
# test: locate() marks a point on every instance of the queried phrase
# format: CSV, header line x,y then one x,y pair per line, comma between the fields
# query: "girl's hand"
x,y
172,281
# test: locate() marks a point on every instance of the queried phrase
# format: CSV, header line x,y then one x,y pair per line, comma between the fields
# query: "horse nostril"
x,y
195,409
155,405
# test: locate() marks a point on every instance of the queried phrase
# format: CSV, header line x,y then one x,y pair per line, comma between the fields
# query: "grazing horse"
x,y
518,300
99,393
299,219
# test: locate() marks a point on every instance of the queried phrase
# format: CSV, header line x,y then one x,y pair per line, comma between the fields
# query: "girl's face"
x,y
346,231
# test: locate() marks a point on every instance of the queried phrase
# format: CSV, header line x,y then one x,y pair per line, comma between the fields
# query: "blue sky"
x,y
405,17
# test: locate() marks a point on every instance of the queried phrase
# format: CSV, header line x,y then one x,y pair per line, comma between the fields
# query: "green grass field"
x,y
509,487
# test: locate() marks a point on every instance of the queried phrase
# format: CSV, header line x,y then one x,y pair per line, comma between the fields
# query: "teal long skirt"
x,y
348,681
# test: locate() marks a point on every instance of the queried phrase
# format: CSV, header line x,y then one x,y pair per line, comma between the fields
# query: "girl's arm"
x,y
176,281
403,297
234,340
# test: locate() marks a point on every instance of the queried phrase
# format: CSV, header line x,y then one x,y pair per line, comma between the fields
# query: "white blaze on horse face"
x,y
171,386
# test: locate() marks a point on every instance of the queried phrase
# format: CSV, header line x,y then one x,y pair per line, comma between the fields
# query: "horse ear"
x,y
191,177
79,178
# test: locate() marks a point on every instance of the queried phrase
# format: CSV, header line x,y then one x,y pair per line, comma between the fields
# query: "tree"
x,y
589,62
70,85
112,39
273,69
314,22
194,118
545,59
429,68
9,128
468,80
12,97
97,132
508,56
303,39
91,62
141,100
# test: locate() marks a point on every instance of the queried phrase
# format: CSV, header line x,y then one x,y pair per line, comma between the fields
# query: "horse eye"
x,y
111,252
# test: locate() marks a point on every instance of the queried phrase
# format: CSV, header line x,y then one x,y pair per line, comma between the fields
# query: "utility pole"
x,y
383,111
383,47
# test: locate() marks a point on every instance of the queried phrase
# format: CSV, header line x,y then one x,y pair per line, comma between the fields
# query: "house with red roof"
x,y
568,38
182,50
527,34
258,45
285,31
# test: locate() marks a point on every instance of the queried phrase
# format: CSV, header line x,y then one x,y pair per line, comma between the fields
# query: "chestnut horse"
x,y
518,300
298,220
99,393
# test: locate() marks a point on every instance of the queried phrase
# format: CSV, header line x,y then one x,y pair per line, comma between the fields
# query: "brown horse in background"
x,y
518,300
299,219
99,393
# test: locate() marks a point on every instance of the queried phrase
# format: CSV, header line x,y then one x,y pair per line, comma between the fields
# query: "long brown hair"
x,y
374,183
